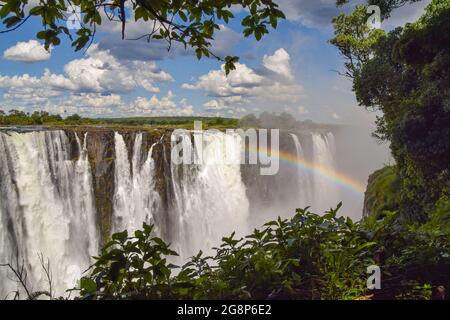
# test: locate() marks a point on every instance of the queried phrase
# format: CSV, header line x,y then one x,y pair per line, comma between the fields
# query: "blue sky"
x,y
289,70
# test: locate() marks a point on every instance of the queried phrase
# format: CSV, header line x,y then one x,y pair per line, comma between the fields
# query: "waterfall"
x,y
209,198
304,178
326,192
135,198
47,207
47,201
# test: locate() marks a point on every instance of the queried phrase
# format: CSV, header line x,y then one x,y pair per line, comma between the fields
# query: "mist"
x,y
338,160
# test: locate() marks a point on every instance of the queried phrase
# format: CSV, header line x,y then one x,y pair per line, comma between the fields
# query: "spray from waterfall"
x,y
47,208
209,198
326,193
135,198
47,202
304,177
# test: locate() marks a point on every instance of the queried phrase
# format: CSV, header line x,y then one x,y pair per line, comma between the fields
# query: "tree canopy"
x,y
404,74
193,23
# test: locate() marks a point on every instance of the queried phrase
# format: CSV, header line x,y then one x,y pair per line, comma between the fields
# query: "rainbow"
x,y
325,171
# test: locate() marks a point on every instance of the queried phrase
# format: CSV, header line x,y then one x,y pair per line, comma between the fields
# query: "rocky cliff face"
x,y
279,194
101,154
265,193
75,186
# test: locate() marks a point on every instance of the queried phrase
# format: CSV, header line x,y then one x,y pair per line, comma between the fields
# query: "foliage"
x,y
305,257
415,256
162,121
135,267
191,23
354,39
17,117
406,78
382,194
20,118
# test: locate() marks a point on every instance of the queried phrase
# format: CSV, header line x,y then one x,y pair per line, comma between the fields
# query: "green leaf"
x,y
199,53
120,236
140,13
88,285
182,16
35,11
5,10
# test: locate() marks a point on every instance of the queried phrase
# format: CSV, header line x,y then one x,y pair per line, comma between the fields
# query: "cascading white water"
x,y
47,200
135,198
304,177
46,208
326,192
210,198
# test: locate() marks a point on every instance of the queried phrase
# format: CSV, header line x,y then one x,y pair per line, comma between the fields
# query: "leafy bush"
x,y
305,257
414,257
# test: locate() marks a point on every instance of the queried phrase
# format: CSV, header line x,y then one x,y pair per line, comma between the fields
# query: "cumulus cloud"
x,y
279,63
103,105
239,82
96,85
99,72
165,106
245,88
31,51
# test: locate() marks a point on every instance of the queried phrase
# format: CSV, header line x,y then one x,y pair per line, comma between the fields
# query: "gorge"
x,y
65,191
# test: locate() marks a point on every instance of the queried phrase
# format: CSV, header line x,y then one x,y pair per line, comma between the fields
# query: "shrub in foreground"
x,y
305,257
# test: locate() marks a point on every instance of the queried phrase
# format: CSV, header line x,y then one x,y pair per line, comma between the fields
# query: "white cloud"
x,y
154,106
99,72
245,88
279,63
101,105
94,86
31,51
214,105
216,83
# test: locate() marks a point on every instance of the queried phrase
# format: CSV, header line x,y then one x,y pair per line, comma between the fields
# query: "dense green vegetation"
x,y
382,194
178,121
17,117
305,257
20,118
404,74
